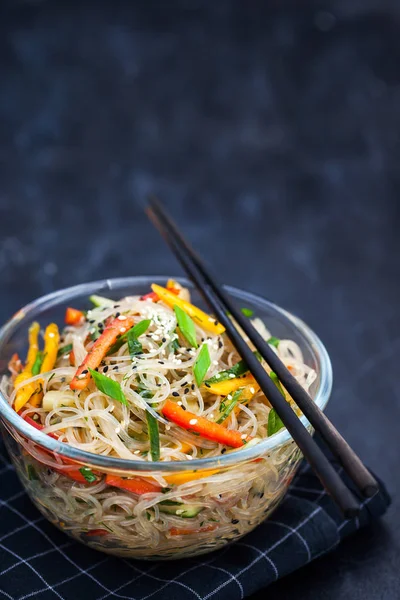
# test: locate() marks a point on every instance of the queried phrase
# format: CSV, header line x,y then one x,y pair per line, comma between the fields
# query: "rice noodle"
x,y
222,504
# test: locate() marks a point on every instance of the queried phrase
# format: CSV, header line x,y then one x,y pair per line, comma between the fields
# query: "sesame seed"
x,y
183,408
232,376
136,452
192,386
220,344
117,429
117,315
91,321
235,521
122,329
223,450
215,362
51,334
163,339
115,368
105,369
252,390
81,376
175,394
189,458
179,403
218,375
193,422
243,436
116,305
168,427
161,362
229,397
216,323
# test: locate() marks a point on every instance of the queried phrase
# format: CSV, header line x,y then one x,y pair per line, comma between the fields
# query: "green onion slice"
x,y
202,364
186,326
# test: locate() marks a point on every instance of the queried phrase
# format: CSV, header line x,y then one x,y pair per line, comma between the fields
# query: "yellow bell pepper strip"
x,y
180,478
200,425
26,391
99,350
51,343
229,386
202,319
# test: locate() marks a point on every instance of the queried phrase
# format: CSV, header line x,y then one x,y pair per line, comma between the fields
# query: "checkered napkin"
x,y
38,561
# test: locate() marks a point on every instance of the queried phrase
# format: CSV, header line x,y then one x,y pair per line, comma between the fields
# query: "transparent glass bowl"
x,y
245,485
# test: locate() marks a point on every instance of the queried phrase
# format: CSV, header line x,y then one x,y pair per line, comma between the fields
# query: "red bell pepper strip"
x,y
73,472
97,532
98,351
136,486
204,427
73,316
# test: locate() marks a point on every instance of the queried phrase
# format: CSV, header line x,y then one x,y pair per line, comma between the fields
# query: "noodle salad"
x,y
151,379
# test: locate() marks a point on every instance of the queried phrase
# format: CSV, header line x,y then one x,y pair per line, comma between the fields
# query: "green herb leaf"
x,y
175,345
247,312
229,405
64,350
240,368
109,386
88,474
202,364
274,341
38,363
186,325
274,422
276,381
32,475
134,346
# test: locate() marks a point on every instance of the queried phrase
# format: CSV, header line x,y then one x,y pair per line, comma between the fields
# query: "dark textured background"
x,y
272,133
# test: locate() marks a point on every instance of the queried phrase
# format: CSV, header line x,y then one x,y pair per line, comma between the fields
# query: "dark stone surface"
x,y
272,133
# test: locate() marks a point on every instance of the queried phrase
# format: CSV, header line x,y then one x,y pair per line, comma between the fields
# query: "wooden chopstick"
x,y
331,480
351,463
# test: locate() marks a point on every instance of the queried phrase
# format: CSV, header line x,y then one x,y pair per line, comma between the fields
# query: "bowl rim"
x,y
8,414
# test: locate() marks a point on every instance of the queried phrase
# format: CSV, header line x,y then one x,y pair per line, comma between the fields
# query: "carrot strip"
x,y
135,486
179,531
99,350
204,427
73,316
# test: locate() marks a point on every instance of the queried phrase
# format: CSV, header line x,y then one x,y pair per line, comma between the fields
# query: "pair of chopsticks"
x,y
221,304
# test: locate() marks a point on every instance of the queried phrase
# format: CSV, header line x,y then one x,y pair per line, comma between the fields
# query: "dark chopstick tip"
x,y
370,490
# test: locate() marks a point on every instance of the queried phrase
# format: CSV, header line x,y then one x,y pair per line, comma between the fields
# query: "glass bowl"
x,y
223,498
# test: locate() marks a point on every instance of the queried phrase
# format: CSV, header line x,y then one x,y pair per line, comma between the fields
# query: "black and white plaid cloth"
x,y
39,561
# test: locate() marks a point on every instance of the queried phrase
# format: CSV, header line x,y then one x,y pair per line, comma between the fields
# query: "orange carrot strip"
x,y
73,316
136,486
98,351
178,531
207,429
